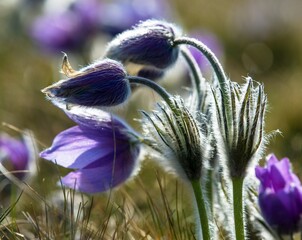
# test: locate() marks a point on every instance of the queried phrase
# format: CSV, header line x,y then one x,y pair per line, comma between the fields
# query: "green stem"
x,y
151,84
208,54
196,74
202,209
222,79
209,189
238,208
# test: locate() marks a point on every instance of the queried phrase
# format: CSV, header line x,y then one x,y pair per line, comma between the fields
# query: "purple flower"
x,y
14,155
88,11
102,84
102,150
149,43
58,32
280,195
68,29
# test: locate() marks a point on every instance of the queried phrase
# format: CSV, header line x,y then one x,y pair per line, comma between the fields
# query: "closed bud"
x,y
148,43
102,84
241,123
179,139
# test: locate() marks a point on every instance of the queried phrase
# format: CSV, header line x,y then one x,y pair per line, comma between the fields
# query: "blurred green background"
x,y
261,39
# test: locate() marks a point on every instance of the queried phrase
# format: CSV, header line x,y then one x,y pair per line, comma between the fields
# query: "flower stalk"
x,y
238,207
209,55
202,209
196,75
209,189
157,88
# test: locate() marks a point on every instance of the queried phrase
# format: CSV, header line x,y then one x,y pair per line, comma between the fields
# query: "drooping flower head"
x,y
15,155
280,195
179,139
101,150
102,84
149,43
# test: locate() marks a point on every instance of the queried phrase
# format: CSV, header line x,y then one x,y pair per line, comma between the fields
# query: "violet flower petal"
x,y
280,195
75,148
100,145
94,180
281,210
15,154
280,174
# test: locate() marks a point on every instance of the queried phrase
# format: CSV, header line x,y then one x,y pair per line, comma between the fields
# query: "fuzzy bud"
x,y
240,124
102,84
178,138
150,43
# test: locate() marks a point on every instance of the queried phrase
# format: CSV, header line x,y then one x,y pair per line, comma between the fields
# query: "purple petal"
x,y
100,179
58,32
271,160
288,174
260,172
263,175
282,210
278,176
281,174
297,192
276,209
15,151
75,148
280,195
94,118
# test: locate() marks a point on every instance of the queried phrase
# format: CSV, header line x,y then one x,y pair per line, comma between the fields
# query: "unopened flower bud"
x,y
148,43
179,139
101,84
241,123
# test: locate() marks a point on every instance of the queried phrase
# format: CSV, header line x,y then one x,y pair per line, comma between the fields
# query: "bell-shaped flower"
x,y
101,150
102,84
150,43
178,138
280,195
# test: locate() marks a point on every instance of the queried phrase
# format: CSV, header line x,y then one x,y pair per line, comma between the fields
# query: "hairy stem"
x,y
196,75
220,75
238,208
209,189
151,84
208,54
202,209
